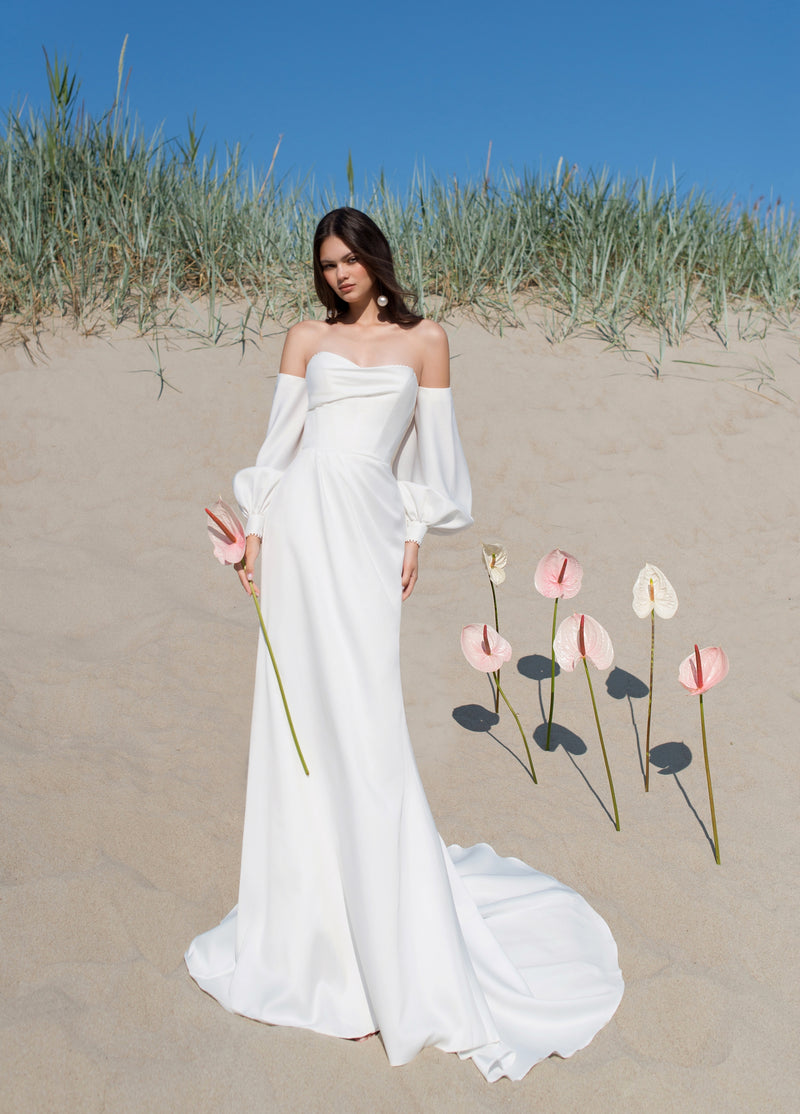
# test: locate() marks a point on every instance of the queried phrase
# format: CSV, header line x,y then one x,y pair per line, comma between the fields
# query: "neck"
x,y
362,313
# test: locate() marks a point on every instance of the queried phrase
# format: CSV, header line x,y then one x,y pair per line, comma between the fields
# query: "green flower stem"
x,y
650,701
522,733
603,745
708,779
497,674
277,676
552,675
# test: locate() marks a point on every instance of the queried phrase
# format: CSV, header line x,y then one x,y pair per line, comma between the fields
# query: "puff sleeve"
x,y
253,487
431,469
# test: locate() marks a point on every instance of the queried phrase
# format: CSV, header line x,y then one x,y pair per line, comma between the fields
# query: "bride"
x,y
353,917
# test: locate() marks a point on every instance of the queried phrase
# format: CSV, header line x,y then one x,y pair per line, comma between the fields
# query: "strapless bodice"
x,y
354,409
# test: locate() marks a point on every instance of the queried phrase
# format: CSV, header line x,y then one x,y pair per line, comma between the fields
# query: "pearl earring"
x,y
331,314
382,300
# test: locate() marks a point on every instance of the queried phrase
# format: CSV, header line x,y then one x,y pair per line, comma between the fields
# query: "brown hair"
x,y
365,239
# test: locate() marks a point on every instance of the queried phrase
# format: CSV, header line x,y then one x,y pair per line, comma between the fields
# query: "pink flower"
x,y
558,575
484,648
703,669
226,533
578,637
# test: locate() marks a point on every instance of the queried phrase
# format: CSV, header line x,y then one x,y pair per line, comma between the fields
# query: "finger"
x,y
243,577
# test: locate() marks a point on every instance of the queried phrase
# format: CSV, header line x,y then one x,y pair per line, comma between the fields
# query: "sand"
x,y
126,684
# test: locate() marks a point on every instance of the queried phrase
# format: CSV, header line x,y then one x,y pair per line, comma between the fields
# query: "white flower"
x,y
653,592
495,558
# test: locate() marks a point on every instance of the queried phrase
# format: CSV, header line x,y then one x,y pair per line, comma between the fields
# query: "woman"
x,y
353,917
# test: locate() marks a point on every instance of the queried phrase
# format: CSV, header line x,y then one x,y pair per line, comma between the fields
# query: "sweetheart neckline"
x,y
361,367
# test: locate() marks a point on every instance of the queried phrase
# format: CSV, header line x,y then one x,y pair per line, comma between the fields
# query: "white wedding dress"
x,y
352,915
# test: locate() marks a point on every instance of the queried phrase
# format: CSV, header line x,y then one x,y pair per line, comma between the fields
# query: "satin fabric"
x,y
352,915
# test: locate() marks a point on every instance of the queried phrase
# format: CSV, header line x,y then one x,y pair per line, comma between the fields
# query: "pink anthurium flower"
x,y
226,533
558,576
484,648
652,595
703,669
228,539
578,638
487,650
495,558
581,636
698,673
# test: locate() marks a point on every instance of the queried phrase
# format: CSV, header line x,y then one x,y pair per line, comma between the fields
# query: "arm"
x,y
254,486
430,467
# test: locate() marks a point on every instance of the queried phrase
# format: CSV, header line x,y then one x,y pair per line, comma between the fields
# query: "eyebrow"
x,y
327,259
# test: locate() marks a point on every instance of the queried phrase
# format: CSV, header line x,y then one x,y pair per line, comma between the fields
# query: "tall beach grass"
x,y
102,223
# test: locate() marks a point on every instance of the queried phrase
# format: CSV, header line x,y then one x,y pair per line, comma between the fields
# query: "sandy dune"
x,y
126,683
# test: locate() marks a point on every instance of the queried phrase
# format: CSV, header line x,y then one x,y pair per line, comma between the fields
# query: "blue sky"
x,y
708,88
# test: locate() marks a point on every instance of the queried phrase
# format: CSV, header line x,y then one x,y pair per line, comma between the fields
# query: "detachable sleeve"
x,y
253,487
431,469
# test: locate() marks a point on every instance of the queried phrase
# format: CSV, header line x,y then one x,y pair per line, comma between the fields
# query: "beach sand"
x,y
125,695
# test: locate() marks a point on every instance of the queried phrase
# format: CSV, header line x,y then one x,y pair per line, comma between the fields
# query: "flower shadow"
x,y
571,744
474,717
622,685
537,668
559,737
672,758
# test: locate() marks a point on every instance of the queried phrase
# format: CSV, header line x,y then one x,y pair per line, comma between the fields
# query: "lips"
x,y
346,287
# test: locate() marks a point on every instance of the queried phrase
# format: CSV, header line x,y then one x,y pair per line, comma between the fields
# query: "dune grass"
x,y
102,224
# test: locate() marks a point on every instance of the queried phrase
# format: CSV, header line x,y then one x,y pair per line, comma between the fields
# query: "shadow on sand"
x,y
671,759
474,717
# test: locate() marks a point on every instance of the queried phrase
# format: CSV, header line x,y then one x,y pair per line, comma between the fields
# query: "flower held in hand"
x,y
227,537
226,533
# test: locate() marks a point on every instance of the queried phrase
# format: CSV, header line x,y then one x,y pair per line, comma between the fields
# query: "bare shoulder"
x,y
434,354
302,341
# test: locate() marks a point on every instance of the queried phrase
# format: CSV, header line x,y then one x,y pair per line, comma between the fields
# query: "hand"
x,y
410,568
247,564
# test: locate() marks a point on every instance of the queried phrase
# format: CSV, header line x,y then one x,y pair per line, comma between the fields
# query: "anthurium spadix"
x,y
578,638
698,673
652,595
487,650
558,576
228,539
495,558
226,533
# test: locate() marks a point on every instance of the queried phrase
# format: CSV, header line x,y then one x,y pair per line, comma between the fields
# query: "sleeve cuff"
x,y
255,525
415,532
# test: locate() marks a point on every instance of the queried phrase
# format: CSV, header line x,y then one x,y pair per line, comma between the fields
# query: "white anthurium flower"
x,y
653,592
495,557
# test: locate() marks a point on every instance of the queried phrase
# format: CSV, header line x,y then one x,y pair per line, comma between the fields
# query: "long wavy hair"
x,y
365,239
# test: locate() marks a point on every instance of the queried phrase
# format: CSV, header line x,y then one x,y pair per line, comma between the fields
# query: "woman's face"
x,y
343,272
